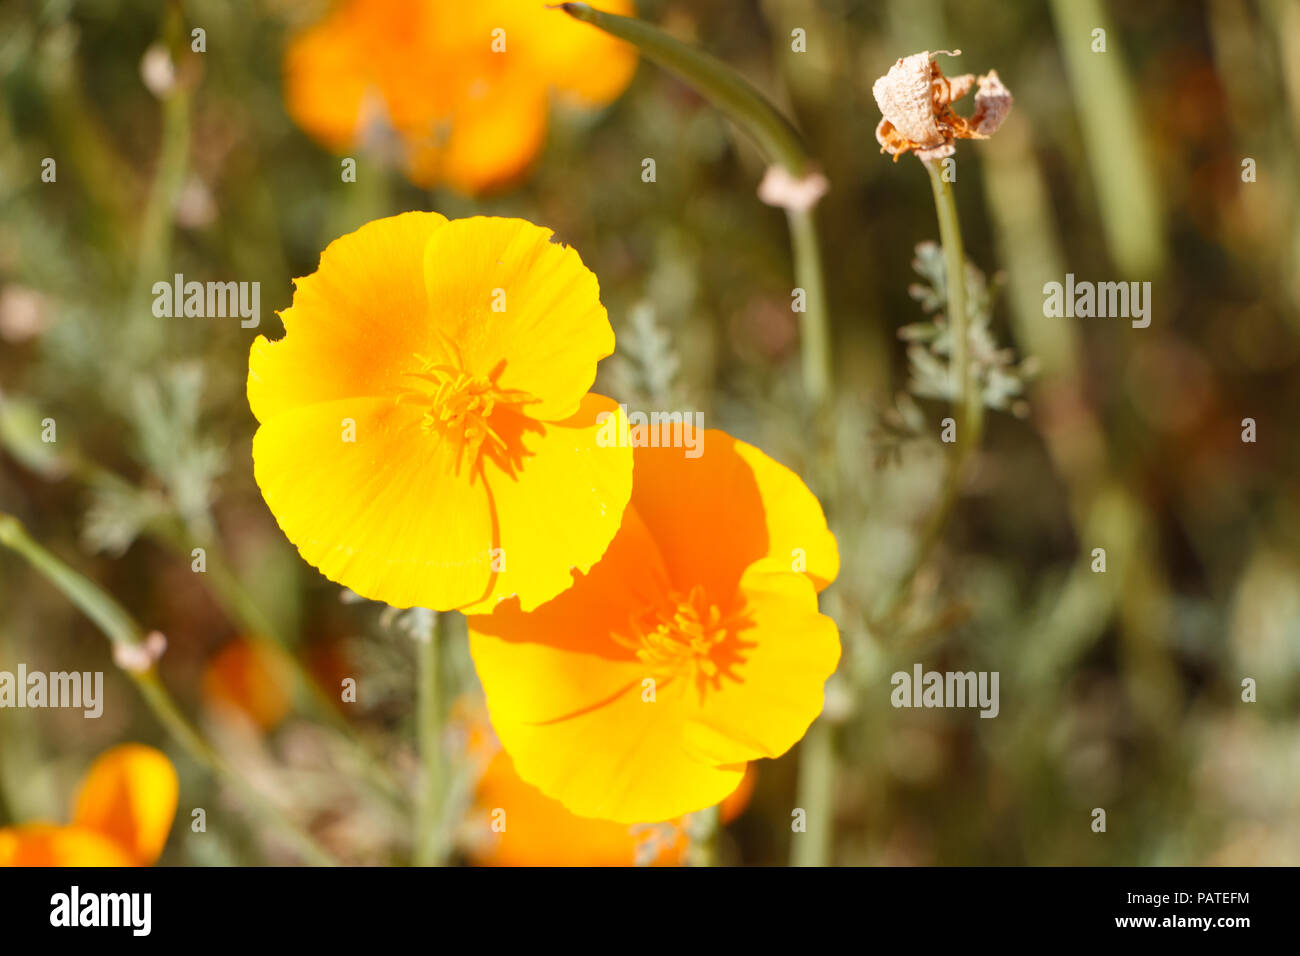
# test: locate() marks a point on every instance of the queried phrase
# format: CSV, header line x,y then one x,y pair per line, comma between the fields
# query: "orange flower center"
x,y
460,409
688,636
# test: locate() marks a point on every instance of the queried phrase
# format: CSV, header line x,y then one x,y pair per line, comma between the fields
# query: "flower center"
x,y
460,408
688,636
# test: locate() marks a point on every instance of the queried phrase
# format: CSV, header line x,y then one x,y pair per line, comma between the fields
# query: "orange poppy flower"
x,y
426,436
694,646
517,825
122,815
513,824
463,86
250,678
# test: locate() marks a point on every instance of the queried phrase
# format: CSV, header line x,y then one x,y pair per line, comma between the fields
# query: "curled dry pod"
x,y
915,100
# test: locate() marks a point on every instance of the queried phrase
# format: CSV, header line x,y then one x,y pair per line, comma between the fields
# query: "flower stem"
x,y
109,616
815,796
966,396
702,829
122,630
815,326
717,82
954,256
430,849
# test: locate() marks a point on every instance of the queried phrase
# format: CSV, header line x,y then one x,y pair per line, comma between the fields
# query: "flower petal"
x,y
791,651
326,78
386,514
580,62
251,678
514,301
356,324
623,761
129,795
703,512
560,658
561,507
490,137
45,844
538,831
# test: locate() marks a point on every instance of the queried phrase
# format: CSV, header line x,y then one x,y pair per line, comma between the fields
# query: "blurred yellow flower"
x,y
121,817
251,678
694,646
426,436
464,86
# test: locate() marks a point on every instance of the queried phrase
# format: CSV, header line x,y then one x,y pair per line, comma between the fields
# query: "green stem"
x,y
954,257
703,830
1109,112
966,395
717,82
815,326
121,629
815,796
430,849
102,609
154,241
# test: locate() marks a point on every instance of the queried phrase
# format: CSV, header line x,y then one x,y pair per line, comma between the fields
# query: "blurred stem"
x,y
720,84
815,796
106,614
122,630
1127,193
815,331
156,227
430,838
703,829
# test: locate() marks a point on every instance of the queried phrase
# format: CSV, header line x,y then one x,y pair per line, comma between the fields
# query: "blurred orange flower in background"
x,y
693,647
427,437
464,86
122,815
251,678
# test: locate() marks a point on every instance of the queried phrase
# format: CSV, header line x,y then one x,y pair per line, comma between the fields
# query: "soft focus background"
x,y
1119,690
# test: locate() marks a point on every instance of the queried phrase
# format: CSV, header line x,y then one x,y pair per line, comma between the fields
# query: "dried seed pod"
x,y
906,98
992,104
915,101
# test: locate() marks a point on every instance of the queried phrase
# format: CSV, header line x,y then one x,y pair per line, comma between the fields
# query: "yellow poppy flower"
x,y
122,815
694,646
465,87
426,436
